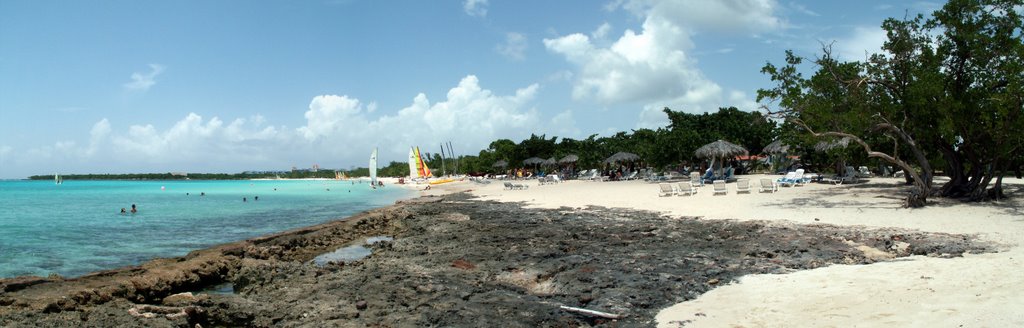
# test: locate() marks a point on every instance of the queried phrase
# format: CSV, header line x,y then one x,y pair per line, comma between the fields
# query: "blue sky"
x,y
227,86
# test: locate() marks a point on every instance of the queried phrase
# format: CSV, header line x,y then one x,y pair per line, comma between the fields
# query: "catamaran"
x,y
57,179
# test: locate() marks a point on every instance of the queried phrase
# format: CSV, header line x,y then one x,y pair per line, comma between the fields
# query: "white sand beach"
x,y
977,290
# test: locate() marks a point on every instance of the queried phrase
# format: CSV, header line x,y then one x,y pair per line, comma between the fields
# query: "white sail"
x,y
373,167
413,173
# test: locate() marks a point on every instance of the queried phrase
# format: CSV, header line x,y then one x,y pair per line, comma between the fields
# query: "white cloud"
x,y
514,47
563,124
653,68
476,8
97,136
601,32
338,131
143,81
471,117
726,16
803,9
861,43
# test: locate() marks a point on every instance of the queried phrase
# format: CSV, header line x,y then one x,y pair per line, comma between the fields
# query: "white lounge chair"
x,y
509,186
742,185
799,180
849,176
686,188
720,187
695,179
788,180
665,189
769,185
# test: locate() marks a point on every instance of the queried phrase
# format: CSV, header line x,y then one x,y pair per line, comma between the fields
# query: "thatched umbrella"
x,y
622,156
549,162
776,147
773,149
720,149
533,161
501,164
569,159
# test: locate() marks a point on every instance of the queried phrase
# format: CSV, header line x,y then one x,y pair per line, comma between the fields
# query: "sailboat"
x,y
373,167
57,179
417,167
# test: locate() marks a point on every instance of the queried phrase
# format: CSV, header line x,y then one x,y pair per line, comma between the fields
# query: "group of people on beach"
x,y
134,210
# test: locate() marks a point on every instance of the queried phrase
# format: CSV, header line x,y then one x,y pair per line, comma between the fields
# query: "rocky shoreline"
x,y
455,261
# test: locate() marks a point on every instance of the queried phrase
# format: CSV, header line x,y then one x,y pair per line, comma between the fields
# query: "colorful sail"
x,y
413,173
421,166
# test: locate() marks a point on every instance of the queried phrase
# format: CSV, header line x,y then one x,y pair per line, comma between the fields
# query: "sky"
x,y
230,86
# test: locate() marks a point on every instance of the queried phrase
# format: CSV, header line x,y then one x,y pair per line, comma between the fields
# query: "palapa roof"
x,y
776,147
720,148
533,160
622,157
571,158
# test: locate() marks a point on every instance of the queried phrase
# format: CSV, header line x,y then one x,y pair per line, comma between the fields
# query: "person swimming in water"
x,y
123,211
133,209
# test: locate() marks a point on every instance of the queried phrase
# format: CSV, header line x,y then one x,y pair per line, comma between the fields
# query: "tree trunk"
x,y
996,192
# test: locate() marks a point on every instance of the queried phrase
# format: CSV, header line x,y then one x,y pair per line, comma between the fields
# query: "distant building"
x,y
316,167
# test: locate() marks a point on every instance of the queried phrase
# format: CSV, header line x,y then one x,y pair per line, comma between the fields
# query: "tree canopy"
x,y
945,92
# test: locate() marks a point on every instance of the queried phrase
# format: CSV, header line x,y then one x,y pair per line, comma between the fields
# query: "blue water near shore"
x,y
76,227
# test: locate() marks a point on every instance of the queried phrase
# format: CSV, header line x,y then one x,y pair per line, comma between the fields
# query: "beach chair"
x,y
798,179
849,176
695,179
521,186
686,188
742,185
509,186
729,177
665,189
768,185
720,187
788,180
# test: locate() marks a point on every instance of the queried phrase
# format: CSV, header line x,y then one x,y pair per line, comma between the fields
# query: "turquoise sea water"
x,y
76,227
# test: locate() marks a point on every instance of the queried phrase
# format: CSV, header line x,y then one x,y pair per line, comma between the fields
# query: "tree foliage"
x,y
944,92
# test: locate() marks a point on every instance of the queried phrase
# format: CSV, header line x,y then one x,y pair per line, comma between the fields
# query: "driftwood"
x,y
592,313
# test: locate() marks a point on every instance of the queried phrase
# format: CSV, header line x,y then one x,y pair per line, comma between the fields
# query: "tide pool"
x,y
76,227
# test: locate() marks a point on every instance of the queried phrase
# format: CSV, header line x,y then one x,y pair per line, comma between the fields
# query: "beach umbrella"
x,y
549,162
621,156
501,164
776,147
533,161
719,150
569,159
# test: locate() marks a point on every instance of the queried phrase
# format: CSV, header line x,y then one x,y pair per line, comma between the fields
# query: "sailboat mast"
x,y
444,171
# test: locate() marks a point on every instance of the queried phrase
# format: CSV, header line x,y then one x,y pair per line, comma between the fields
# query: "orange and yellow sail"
x,y
417,167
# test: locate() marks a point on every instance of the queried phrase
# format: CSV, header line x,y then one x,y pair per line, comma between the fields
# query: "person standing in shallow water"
x,y
133,209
